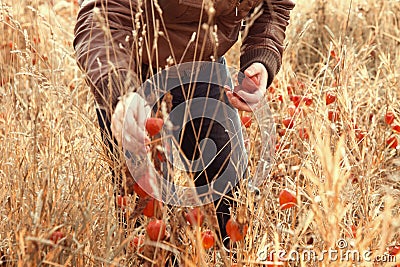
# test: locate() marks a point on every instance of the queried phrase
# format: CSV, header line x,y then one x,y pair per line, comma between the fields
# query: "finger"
x,y
129,122
116,123
258,73
232,95
229,95
135,140
140,137
135,106
247,85
254,69
128,101
140,112
251,71
237,103
143,112
241,105
227,88
254,76
250,98
255,79
237,89
131,145
134,131
236,95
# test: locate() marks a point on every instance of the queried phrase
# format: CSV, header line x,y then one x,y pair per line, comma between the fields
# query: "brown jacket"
x,y
100,52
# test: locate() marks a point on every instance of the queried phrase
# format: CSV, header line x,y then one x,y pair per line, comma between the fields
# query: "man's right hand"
x,y
128,123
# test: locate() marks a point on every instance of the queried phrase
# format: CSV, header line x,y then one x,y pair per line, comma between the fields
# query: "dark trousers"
x,y
198,132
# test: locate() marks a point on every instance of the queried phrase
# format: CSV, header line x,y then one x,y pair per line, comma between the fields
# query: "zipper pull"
x,y
236,8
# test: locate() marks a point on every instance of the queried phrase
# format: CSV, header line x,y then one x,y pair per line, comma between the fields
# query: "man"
x,y
121,43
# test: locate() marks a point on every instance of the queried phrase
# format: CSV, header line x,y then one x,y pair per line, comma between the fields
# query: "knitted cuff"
x,y
269,58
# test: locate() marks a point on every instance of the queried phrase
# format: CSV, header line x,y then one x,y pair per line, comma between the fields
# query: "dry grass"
x,y
54,176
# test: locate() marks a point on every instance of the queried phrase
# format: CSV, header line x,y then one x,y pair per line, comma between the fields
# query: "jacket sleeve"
x,y
104,49
264,41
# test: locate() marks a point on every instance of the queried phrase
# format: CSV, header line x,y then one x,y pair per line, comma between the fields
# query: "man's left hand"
x,y
247,95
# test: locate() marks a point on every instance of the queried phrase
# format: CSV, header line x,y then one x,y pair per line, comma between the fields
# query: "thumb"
x,y
250,71
253,73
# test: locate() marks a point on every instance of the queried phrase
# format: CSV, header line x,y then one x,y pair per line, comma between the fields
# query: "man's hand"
x,y
128,123
247,95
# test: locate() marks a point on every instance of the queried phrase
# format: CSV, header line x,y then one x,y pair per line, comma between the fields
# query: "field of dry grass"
x,y
341,160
